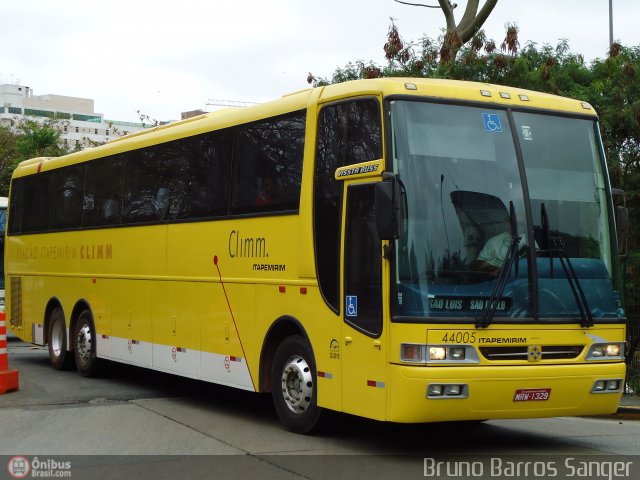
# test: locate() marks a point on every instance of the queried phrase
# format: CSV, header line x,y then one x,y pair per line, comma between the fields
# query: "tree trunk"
x,y
458,35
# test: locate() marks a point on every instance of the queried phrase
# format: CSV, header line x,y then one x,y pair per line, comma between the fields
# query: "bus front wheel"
x,y
293,383
59,357
85,346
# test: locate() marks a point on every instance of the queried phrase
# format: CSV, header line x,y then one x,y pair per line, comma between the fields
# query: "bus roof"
x,y
490,94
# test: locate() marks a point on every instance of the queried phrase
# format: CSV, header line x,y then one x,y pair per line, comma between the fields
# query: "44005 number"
x,y
459,337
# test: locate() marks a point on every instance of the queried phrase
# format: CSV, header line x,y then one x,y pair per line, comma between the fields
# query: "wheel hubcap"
x,y
297,384
57,338
83,344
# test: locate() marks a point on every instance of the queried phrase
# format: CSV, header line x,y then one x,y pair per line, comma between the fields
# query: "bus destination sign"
x,y
457,304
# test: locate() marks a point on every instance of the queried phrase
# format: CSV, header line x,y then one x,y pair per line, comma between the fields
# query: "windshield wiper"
x,y
501,282
555,249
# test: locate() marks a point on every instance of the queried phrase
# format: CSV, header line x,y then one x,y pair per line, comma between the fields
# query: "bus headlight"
x,y
437,353
606,351
457,353
613,350
417,353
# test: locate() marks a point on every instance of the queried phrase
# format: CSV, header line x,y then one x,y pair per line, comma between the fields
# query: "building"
x,y
75,117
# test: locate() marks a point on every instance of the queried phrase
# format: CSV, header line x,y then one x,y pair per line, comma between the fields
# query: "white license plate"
x,y
532,394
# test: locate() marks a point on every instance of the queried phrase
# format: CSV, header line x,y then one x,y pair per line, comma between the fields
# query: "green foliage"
x,y
8,157
28,139
38,140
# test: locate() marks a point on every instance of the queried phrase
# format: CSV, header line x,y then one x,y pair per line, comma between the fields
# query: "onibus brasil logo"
x,y
20,467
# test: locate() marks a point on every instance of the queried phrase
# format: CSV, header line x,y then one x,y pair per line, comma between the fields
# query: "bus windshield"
x,y
466,211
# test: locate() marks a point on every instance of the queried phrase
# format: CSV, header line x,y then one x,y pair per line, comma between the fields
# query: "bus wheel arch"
x,y
288,371
283,327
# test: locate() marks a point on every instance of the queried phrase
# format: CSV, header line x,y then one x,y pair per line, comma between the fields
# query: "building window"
x,y
86,118
65,129
107,133
15,110
39,113
77,130
96,131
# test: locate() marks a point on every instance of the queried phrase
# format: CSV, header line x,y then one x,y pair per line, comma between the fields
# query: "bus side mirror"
x,y
386,209
622,221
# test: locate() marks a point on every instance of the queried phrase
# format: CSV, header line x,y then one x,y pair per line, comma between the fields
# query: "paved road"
x,y
155,423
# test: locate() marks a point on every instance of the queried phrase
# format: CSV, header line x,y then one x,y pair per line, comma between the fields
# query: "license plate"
x,y
532,395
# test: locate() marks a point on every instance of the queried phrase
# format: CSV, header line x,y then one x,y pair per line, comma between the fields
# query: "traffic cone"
x,y
8,378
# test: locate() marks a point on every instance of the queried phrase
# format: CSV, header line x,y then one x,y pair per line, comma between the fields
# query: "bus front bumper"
x,y
493,392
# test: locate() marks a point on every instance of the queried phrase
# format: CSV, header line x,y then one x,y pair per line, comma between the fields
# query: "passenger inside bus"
x,y
495,250
269,192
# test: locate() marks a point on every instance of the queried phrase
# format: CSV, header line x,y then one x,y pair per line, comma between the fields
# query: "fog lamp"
x,y
452,389
434,390
613,385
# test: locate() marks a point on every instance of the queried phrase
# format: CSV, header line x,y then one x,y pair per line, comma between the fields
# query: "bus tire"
x,y
293,385
60,358
87,362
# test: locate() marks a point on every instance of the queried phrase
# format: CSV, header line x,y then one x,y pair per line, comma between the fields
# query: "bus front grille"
x,y
549,352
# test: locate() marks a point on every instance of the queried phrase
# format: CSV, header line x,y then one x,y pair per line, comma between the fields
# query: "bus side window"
x,y
36,197
68,186
200,183
269,151
103,192
147,180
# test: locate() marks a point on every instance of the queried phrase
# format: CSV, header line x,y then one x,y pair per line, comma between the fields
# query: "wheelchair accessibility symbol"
x,y
491,122
352,306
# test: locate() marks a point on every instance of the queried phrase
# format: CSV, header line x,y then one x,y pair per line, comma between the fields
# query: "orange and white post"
x,y
8,378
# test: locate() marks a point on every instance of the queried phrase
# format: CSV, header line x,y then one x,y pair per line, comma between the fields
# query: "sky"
x,y
163,58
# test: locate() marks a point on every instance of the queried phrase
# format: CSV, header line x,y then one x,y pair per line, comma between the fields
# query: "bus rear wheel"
x,y
293,383
59,357
85,346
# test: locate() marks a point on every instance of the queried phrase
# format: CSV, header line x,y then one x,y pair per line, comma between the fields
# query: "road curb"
x,y
628,409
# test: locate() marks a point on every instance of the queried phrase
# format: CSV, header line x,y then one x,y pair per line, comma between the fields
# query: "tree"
x,y
8,157
430,58
26,140
456,35
39,140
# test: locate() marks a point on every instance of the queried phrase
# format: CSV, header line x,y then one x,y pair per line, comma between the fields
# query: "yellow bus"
x,y
406,250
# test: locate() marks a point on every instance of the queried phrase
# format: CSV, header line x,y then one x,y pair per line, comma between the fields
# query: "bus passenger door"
x,y
364,356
